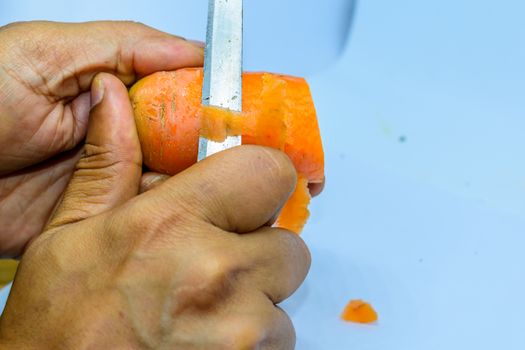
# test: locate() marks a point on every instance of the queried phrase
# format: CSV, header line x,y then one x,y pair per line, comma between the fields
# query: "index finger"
x,y
71,54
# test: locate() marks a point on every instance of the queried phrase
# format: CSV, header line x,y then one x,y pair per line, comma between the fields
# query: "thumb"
x,y
110,168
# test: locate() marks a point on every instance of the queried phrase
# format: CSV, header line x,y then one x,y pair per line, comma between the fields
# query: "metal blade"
x,y
222,85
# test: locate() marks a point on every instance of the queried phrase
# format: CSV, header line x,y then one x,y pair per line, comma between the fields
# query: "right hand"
x,y
190,264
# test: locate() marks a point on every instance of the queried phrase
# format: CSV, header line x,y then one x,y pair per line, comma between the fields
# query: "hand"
x,y
46,70
189,264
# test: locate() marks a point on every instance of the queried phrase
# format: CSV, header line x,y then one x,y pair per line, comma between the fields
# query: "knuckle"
x,y
290,258
246,334
250,337
207,282
300,246
293,247
124,27
205,285
214,271
286,335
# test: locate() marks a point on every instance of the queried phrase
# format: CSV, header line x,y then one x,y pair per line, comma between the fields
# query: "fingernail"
x,y
97,92
150,181
198,43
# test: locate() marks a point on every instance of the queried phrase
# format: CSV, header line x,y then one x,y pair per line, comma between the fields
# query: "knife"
x,y
222,84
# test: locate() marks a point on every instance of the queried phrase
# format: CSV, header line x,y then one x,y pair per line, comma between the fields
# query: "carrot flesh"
x,y
359,311
295,212
278,112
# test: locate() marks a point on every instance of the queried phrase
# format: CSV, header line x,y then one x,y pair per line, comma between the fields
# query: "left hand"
x,y
46,70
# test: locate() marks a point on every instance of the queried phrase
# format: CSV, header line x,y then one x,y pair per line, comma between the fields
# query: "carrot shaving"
x,y
359,311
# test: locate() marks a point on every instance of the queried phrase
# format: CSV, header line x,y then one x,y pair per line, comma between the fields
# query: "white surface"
x,y
430,230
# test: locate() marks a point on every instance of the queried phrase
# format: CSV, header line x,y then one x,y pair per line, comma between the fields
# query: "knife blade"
x,y
222,84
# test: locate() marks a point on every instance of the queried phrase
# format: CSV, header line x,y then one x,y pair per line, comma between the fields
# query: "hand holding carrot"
x,y
46,70
191,263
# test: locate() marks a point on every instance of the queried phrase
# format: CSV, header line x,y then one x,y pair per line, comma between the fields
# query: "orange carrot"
x,y
295,212
278,112
359,311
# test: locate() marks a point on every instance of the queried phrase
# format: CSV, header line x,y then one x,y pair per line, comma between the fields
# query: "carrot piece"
x,y
295,212
359,311
217,123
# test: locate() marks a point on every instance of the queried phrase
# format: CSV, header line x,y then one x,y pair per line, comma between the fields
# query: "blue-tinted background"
x,y
423,117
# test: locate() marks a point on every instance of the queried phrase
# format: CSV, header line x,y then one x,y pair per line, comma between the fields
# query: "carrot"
x,y
277,111
359,311
295,212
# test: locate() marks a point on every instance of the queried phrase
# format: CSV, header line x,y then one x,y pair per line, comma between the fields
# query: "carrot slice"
x,y
295,212
359,311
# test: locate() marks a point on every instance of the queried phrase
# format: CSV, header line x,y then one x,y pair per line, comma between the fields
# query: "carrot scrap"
x,y
295,212
359,311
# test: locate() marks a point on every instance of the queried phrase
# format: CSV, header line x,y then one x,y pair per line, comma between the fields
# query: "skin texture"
x,y
189,264
46,70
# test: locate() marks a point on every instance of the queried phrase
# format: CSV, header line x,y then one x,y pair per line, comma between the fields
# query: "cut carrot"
x,y
359,311
295,212
217,123
277,112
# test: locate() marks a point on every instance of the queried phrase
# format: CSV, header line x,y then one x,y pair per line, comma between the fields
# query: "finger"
x,y
151,180
128,50
109,170
237,190
279,261
253,323
316,188
281,334
125,49
29,197
59,72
